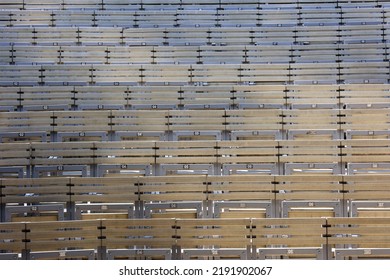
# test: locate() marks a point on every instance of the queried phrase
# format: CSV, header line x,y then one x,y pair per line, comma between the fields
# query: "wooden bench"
x,y
139,121
306,52
370,33
249,152
372,52
323,117
298,95
196,121
173,189
104,197
142,238
317,34
365,118
32,192
130,152
82,121
34,213
261,96
368,191
358,237
364,72
12,236
289,238
213,238
364,94
314,73
311,16
237,187
244,120
46,154
15,75
63,237
306,151
186,153
15,154
365,151
152,97
26,122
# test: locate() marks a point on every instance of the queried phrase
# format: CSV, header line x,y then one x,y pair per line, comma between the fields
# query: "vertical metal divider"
x,y
2,204
25,240
70,205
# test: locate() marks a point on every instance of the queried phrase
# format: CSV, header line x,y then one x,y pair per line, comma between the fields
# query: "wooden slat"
x,y
320,151
144,233
367,187
186,152
288,232
35,190
361,232
247,151
46,236
238,187
374,150
104,190
173,188
309,187
217,233
12,237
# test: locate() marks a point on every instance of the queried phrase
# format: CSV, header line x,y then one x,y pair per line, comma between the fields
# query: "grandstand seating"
x,y
218,129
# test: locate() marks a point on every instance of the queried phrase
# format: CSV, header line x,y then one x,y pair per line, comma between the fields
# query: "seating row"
x,y
153,5
197,157
303,122
207,54
274,16
319,238
202,196
193,97
196,36
184,74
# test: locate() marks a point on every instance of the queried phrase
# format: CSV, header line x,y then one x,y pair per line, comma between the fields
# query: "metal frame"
x,y
215,253
138,253
350,133
384,166
262,253
36,209
197,168
336,205
102,168
341,254
9,256
355,205
103,208
288,167
218,205
88,253
235,134
62,135
332,132
59,168
14,170
42,134
271,169
216,134
150,206
140,134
